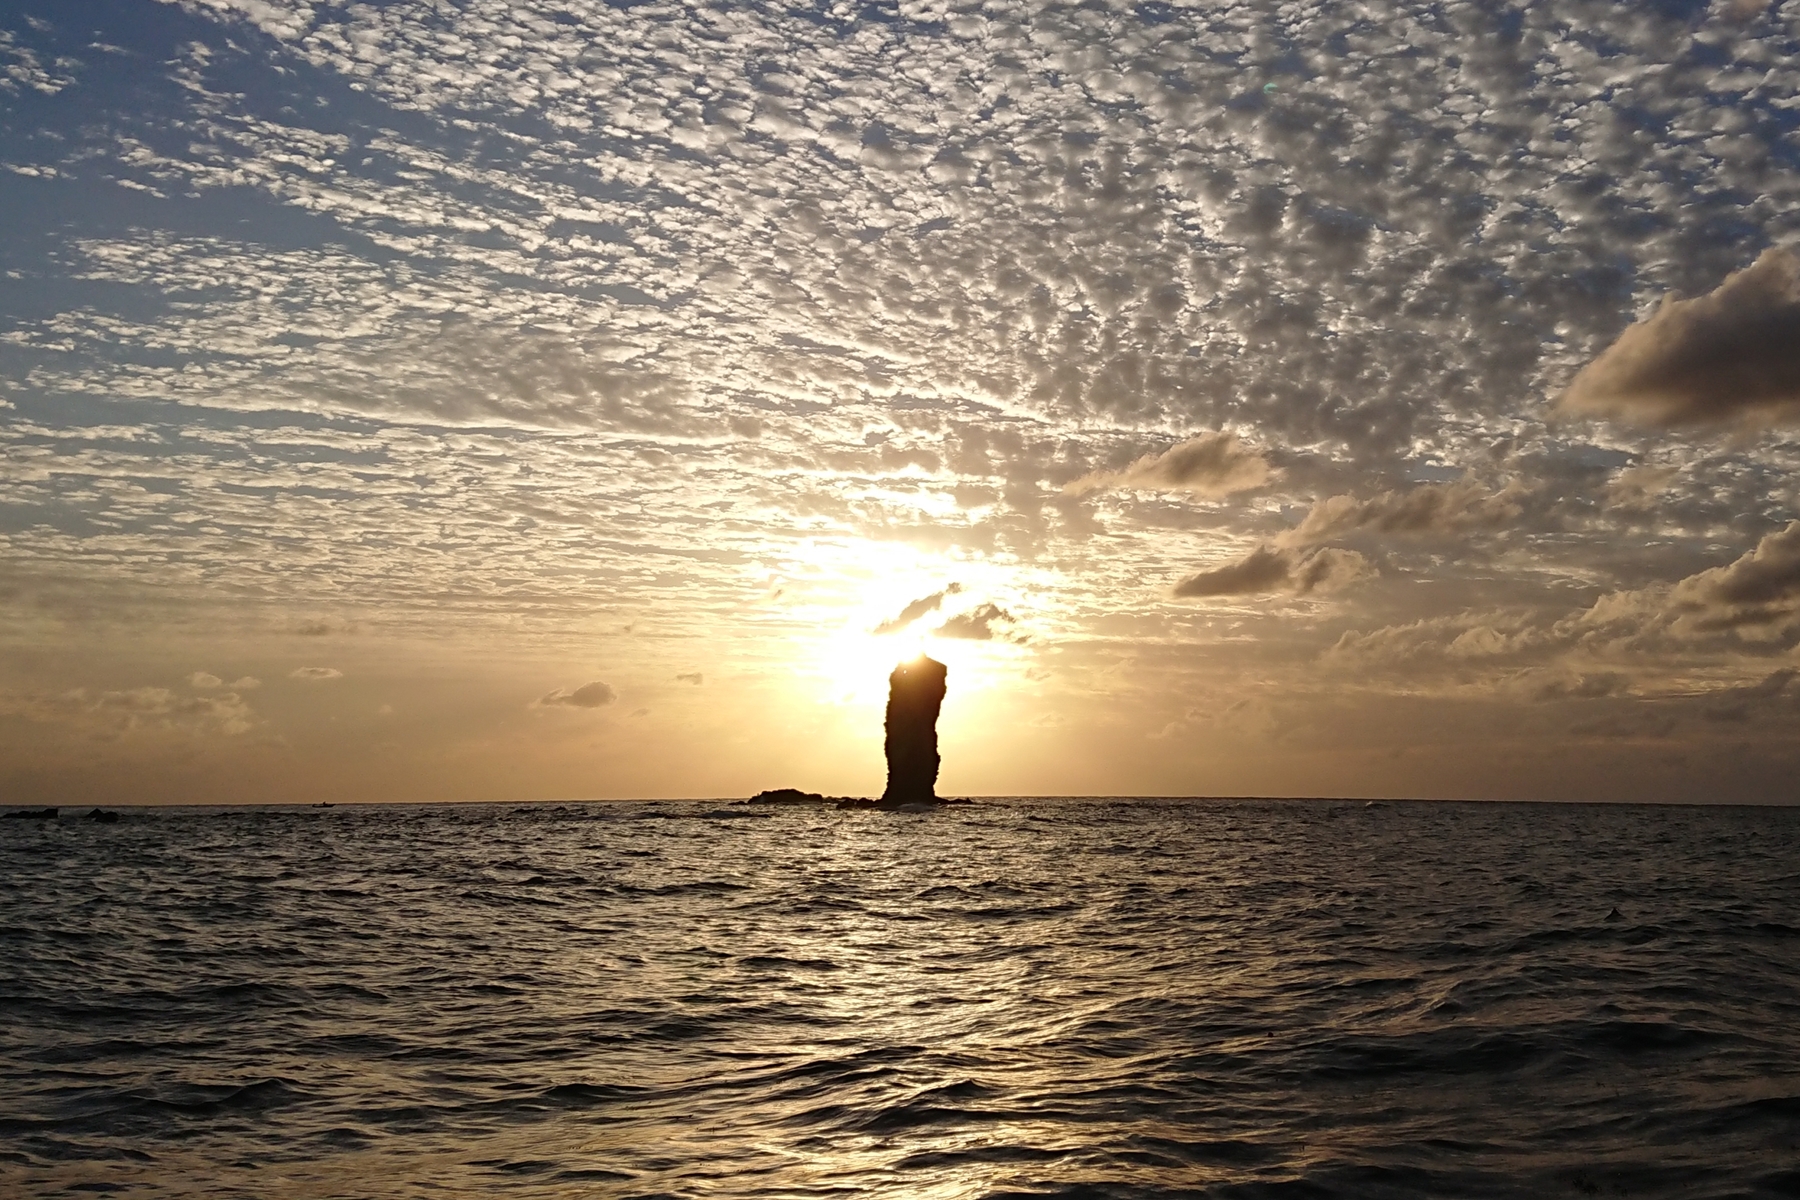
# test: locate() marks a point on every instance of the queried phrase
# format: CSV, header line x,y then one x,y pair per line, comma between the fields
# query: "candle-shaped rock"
x,y
915,692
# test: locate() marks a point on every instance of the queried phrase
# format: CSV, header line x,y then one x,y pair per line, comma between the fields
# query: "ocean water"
x,y
1018,998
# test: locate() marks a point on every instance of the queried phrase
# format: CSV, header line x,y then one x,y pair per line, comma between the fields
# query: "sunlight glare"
x,y
869,585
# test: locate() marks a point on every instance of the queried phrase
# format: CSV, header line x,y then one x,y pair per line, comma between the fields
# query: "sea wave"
x,y
1020,998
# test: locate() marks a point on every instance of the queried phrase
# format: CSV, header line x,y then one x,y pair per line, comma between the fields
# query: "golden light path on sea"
x,y
908,1022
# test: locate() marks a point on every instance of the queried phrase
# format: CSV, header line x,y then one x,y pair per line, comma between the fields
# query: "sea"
x,y
1013,998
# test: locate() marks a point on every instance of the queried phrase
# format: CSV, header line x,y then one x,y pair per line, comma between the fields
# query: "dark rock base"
x,y
792,796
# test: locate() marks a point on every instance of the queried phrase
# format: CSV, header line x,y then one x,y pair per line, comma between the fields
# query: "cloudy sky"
x,y
454,399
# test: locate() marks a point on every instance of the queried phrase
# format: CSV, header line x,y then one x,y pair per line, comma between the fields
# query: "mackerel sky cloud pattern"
x,y
637,327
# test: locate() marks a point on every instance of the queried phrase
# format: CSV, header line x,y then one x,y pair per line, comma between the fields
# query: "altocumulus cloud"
x,y
1430,508
1267,569
1761,590
144,709
918,608
1733,354
1213,464
1741,612
976,625
818,306
206,681
588,695
315,674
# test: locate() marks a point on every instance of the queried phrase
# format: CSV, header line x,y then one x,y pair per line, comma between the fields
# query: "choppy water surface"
x,y
1024,998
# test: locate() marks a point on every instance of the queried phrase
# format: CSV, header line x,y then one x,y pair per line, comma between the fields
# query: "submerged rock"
x,y
790,796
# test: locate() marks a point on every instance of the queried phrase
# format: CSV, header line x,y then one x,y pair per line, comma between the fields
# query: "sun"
x,y
855,661
866,607
856,655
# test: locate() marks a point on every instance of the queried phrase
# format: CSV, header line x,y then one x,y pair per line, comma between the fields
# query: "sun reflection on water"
x,y
1031,998
893,1054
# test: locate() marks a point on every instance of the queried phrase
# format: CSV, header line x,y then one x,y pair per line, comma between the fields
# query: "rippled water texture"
x,y
1020,998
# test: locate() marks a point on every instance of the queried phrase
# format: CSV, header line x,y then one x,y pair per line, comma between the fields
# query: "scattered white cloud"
x,y
588,695
977,624
916,609
1431,508
1475,637
315,674
1592,686
1213,464
111,713
1636,489
282,20
1730,355
1268,569
1759,591
20,68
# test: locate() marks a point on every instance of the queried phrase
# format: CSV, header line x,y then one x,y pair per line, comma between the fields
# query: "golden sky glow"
x,y
531,400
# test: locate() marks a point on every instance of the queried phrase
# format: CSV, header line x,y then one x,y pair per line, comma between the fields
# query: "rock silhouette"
x,y
915,693
791,796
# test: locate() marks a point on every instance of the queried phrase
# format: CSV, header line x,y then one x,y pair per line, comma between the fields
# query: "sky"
x,y
506,399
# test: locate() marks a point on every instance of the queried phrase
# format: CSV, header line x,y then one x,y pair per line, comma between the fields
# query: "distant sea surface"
x,y
1016,998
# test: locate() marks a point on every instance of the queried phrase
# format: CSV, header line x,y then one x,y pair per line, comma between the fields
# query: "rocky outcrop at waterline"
x,y
915,696
793,796
101,815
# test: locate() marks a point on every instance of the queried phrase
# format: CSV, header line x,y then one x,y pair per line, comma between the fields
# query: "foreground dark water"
x,y
1016,999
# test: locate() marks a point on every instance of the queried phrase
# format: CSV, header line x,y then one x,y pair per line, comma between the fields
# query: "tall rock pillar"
x,y
915,693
